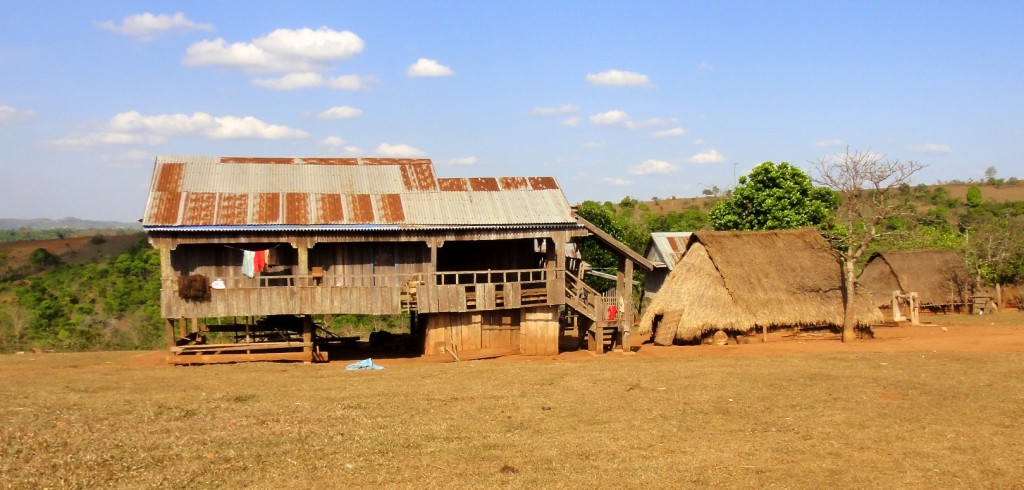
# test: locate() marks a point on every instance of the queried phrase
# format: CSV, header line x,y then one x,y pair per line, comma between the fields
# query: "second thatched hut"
x,y
740,281
939,277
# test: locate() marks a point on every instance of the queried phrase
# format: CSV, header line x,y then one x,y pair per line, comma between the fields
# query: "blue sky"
x,y
613,99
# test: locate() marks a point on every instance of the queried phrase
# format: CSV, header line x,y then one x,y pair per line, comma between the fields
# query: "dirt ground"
x,y
941,333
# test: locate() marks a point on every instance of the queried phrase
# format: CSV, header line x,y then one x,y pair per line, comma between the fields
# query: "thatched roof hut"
x,y
740,281
939,277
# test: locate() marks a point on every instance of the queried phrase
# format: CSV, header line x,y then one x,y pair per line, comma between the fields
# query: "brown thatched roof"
x,y
937,276
743,280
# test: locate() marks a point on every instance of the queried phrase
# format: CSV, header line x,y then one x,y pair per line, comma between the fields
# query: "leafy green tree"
x,y
42,257
774,197
974,196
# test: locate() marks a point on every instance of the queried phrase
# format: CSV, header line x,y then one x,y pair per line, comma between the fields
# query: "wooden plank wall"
x,y
540,331
533,330
370,264
285,301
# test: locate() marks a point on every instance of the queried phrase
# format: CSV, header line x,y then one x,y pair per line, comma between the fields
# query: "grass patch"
x,y
840,419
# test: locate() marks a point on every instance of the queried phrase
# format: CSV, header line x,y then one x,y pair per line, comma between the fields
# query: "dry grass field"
x,y
886,413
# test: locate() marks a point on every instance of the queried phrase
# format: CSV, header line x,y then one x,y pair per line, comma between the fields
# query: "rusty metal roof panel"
x,y
164,208
328,209
513,183
232,208
543,183
218,192
268,209
452,184
360,208
390,209
483,183
200,208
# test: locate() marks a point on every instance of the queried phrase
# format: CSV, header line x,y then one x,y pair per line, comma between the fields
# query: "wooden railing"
x,y
581,297
454,291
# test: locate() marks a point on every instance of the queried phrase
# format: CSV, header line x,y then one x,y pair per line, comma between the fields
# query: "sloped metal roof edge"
x,y
368,227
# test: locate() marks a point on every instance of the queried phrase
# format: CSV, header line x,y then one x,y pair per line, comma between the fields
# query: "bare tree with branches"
x,y
868,184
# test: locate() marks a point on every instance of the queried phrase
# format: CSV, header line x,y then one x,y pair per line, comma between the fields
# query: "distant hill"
x,y
1006,192
65,223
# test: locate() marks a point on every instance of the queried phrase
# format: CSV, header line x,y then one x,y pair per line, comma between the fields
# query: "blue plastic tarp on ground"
x,y
364,364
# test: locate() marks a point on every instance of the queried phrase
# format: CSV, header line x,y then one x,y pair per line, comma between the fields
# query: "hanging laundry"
x,y
612,311
259,261
248,262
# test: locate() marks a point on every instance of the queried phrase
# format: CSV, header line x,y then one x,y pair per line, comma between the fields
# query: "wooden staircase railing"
x,y
581,297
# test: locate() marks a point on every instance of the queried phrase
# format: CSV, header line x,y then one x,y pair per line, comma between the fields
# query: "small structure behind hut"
x,y
741,281
939,277
663,250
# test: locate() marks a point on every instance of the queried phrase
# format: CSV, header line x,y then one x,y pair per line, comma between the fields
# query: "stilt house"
x,y
479,263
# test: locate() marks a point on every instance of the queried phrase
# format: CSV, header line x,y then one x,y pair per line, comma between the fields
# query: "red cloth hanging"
x,y
612,311
259,261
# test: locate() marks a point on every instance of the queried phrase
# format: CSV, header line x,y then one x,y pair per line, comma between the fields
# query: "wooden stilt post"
x,y
915,309
897,316
307,338
169,325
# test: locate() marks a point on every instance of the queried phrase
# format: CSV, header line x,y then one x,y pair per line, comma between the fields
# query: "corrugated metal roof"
x,y
217,193
667,247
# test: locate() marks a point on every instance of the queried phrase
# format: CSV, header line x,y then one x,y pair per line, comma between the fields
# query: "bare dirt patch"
x,y
916,407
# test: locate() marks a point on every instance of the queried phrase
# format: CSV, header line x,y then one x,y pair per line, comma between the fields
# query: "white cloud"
x,y
353,150
708,156
400,150
594,144
428,68
651,167
617,181
705,67
621,118
669,133
291,81
11,115
829,143
620,78
92,140
333,141
610,118
934,148
470,160
283,50
134,128
147,26
300,80
698,142
554,111
340,112
350,82
232,127
571,122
